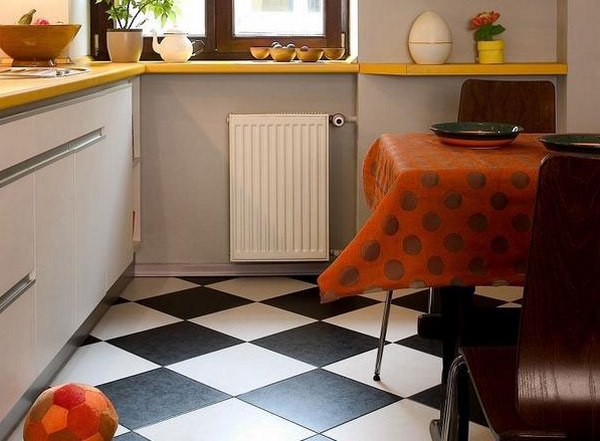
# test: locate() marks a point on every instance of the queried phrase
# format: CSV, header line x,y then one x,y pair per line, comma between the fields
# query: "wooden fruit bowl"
x,y
36,45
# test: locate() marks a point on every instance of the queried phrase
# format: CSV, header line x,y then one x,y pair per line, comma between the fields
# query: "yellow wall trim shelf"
x,y
466,69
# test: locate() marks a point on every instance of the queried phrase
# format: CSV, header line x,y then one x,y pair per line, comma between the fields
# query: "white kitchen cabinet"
x,y
55,258
16,231
17,349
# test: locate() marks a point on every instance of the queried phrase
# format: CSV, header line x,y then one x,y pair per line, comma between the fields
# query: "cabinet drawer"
x,y
69,121
16,232
17,142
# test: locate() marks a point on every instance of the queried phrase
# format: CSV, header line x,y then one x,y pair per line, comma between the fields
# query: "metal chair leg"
x,y
384,326
454,424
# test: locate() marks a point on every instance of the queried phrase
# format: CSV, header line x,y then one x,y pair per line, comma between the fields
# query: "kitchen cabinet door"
x,y
118,184
17,370
55,258
91,207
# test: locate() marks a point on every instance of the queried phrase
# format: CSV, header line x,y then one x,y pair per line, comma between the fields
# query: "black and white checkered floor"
x,y
261,359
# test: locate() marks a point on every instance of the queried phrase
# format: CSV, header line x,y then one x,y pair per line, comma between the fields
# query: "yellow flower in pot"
x,y
489,51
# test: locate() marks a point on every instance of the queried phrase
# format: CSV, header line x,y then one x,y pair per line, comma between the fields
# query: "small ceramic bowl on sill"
x,y
282,54
260,52
309,54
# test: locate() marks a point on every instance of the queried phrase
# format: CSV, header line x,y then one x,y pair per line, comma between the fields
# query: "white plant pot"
x,y
124,45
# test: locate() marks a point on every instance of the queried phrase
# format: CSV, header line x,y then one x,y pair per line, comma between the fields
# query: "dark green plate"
x,y
575,142
472,131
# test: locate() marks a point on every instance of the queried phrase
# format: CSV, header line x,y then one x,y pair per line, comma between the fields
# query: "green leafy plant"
x,y
125,14
484,27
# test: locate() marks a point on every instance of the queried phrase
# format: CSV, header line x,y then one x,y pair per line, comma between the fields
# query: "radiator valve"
x,y
338,120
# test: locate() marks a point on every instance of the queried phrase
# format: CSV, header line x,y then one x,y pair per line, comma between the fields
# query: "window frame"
x,y
220,43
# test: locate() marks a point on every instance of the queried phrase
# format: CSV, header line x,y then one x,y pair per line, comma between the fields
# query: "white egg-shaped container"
x,y
430,39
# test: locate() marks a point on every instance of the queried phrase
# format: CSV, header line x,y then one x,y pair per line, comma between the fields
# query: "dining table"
x,y
442,216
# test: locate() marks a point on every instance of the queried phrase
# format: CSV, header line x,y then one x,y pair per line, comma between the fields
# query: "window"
x,y
230,27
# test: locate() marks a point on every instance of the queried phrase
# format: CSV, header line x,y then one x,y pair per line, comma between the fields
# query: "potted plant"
x,y
489,51
125,40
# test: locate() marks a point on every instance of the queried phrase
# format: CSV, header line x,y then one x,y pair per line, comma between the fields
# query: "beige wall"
x,y
185,202
385,24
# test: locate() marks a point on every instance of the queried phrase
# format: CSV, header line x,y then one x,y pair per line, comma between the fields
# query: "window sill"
x,y
251,67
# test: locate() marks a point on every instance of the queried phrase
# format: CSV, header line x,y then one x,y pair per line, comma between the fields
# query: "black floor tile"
x,y
432,398
194,302
318,438
130,436
319,400
308,303
308,279
480,301
120,300
204,280
519,301
418,301
318,344
433,347
173,343
90,340
157,395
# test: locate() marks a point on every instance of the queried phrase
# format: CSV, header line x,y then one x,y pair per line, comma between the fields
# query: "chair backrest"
x,y
558,376
530,104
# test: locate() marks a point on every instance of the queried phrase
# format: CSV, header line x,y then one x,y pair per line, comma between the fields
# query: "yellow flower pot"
x,y
490,52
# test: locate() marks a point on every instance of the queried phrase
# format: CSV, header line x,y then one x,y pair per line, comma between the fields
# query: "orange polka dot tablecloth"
x,y
441,216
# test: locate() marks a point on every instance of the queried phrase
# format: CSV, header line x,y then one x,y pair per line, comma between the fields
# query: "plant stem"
x,y
142,6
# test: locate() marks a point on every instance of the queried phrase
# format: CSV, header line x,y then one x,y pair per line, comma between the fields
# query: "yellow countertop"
x,y
17,92
464,69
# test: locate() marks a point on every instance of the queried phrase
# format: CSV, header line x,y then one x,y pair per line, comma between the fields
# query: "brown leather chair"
x,y
530,104
548,386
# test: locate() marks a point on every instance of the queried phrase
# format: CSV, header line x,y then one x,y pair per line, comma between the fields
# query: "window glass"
x,y
278,17
190,19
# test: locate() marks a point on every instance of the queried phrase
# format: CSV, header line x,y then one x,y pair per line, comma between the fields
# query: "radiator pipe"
x,y
339,119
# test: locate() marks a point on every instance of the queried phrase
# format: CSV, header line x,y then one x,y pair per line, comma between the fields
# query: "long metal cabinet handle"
x,y
15,292
31,165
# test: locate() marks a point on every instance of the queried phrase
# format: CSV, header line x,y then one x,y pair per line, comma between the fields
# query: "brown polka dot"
x,y
453,243
393,269
521,223
349,276
478,222
452,200
431,221
476,180
412,245
435,265
499,245
478,266
430,179
390,225
456,282
409,201
417,284
499,201
521,266
520,180
370,250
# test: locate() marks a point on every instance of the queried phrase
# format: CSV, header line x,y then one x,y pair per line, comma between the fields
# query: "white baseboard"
x,y
228,269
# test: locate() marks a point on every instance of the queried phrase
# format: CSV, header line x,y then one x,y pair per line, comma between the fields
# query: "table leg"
x,y
456,305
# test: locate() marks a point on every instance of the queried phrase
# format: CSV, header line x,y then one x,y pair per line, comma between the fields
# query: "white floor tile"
x,y
231,420
506,293
121,430
101,363
404,420
128,318
404,371
382,295
510,305
241,368
261,288
17,435
144,287
402,324
252,321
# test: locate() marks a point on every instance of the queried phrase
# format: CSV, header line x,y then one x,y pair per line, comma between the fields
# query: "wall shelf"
x,y
463,69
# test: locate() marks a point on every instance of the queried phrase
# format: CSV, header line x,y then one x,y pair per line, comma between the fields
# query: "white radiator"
x,y
279,187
